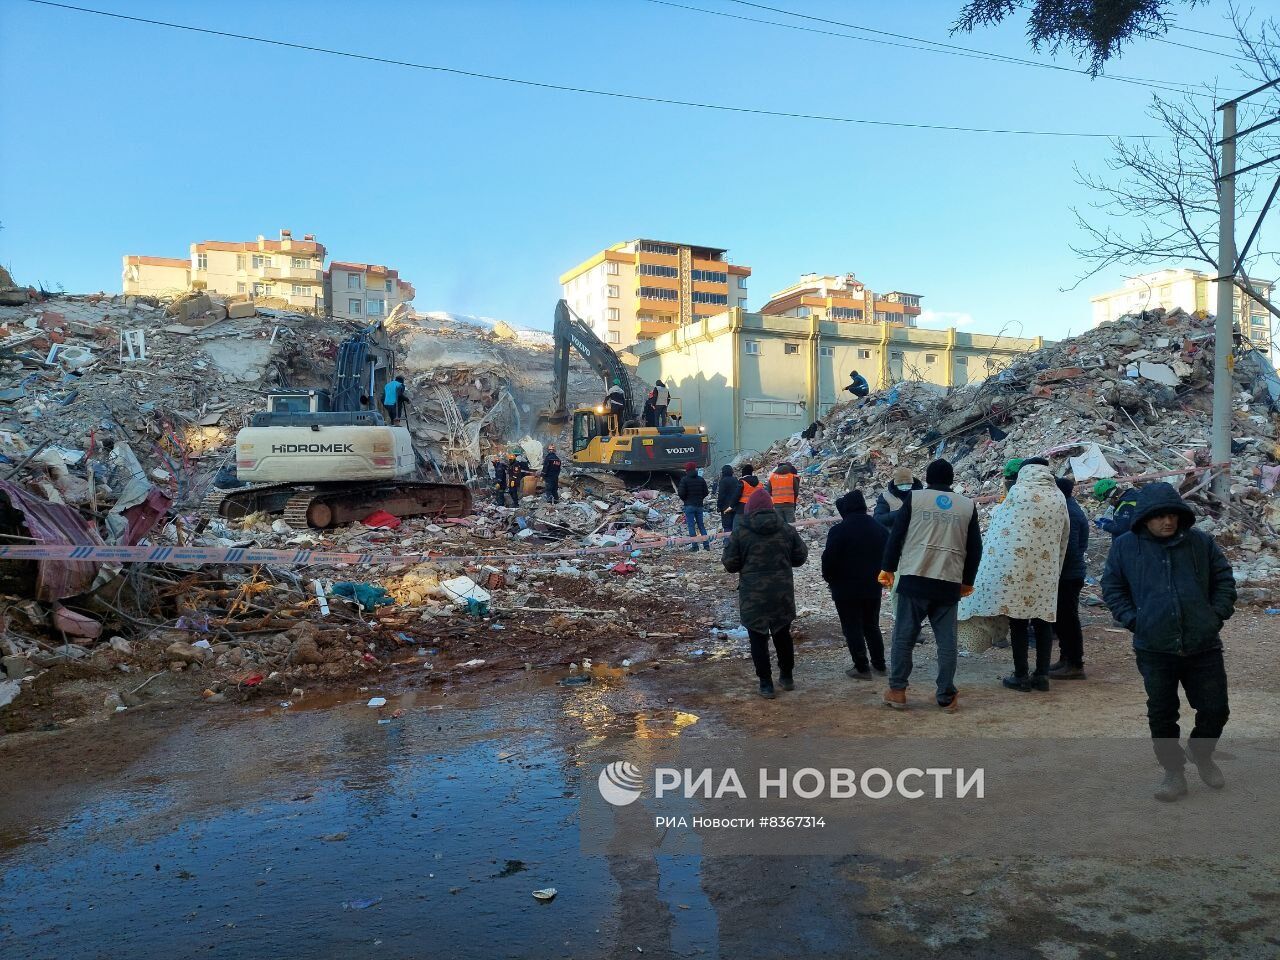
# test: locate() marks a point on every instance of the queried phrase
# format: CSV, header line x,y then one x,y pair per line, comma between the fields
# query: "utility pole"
x,y
1220,447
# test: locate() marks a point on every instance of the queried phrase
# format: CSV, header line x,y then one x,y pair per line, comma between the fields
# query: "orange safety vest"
x,y
784,488
748,489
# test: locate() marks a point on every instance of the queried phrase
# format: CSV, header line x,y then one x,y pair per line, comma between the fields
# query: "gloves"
x,y
885,579
966,590
1098,522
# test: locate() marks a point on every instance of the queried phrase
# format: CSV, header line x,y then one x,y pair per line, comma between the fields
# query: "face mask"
x,y
902,487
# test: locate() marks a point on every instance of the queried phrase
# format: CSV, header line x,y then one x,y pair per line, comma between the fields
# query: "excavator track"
x,y
330,505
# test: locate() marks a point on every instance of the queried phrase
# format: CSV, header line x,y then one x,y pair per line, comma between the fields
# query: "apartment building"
x,y
843,299
286,269
641,289
1192,290
752,378
364,291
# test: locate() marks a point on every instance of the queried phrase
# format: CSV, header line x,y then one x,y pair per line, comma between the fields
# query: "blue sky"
x,y
127,138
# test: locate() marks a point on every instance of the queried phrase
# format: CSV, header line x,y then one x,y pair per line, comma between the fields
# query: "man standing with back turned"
x,y
935,547
1170,585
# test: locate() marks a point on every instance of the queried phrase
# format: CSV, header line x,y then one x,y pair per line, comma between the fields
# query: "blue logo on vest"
x,y
944,503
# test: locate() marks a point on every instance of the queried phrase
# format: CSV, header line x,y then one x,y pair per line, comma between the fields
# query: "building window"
x,y
240,288
657,270
612,291
846,313
930,358
826,351
375,306
353,281
710,276
353,306
864,354
611,268
202,261
391,285
962,361
259,262
753,348
301,290
742,303
717,298
772,408
666,249
614,314
240,261
302,263
882,316
790,348
657,293
614,337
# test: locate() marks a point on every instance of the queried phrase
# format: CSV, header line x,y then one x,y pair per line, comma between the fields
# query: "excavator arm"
x,y
571,331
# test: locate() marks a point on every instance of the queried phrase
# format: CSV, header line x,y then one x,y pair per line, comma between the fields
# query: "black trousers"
x,y
1204,678
860,623
1019,640
1070,634
760,652
726,521
552,485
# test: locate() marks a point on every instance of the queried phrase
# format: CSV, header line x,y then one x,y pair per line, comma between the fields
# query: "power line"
x,y
588,91
935,46
1205,33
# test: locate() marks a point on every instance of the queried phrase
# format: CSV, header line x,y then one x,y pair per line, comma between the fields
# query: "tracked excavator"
x,y
616,441
327,457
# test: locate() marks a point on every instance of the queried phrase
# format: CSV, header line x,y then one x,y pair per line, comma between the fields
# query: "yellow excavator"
x,y
609,436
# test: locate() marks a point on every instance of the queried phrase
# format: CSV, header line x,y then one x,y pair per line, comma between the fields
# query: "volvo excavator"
x,y
616,441
328,457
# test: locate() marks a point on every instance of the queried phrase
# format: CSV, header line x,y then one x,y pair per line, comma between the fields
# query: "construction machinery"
x,y
328,457
609,436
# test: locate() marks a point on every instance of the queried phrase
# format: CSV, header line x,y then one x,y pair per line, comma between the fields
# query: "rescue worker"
x,y
393,398
762,550
615,401
1117,519
784,486
890,500
748,484
858,385
727,492
517,469
551,474
661,400
499,481
650,413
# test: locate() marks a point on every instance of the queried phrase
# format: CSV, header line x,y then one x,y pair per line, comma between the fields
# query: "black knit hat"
x,y
851,503
940,473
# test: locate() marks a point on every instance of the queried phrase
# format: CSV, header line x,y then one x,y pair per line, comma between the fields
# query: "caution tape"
x,y
250,556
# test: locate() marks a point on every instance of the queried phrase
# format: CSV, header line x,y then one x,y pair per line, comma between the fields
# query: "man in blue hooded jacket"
x,y
1172,587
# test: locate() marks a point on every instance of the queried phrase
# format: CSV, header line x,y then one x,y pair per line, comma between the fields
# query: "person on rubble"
x,y
615,399
890,500
1170,585
1070,665
693,493
748,483
551,465
393,399
649,415
858,385
517,469
763,550
850,564
784,487
1122,502
661,400
499,481
728,490
932,556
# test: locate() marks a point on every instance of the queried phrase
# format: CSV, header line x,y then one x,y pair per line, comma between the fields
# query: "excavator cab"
x,y
586,425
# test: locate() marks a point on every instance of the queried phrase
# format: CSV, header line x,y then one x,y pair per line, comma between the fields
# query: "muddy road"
x,y
315,830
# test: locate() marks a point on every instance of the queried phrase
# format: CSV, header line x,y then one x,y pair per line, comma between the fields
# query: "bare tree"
x,y
1158,200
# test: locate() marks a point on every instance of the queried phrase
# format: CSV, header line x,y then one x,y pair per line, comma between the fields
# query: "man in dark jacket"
x,y
693,494
934,550
762,550
858,385
1171,586
517,469
850,565
1122,503
890,500
727,493
551,466
748,483
1070,665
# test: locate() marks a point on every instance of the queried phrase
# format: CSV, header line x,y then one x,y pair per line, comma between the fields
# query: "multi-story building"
x,y
642,289
286,269
752,378
1192,290
359,291
844,299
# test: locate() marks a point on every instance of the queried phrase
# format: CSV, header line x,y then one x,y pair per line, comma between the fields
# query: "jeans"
x,y
860,623
760,653
1070,634
787,511
552,488
909,615
1019,639
726,521
693,517
1204,678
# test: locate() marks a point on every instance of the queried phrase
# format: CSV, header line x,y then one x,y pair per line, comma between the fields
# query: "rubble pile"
x,y
1130,398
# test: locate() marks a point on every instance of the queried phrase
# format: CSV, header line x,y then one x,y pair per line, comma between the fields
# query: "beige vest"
x,y
937,536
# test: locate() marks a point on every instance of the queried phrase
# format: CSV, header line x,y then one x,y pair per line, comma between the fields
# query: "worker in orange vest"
x,y
748,484
784,486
